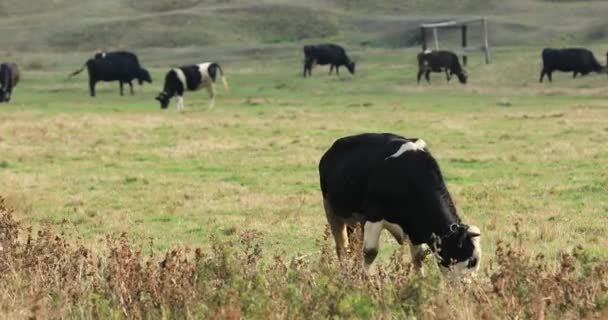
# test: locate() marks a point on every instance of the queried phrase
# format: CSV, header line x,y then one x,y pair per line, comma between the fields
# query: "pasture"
x,y
518,156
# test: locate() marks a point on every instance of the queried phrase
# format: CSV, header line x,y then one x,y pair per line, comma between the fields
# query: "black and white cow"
x,y
9,77
121,66
385,181
323,54
577,60
191,78
440,61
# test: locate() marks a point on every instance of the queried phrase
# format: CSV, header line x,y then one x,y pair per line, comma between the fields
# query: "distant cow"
x,y
9,77
121,66
386,181
577,60
440,61
191,78
323,54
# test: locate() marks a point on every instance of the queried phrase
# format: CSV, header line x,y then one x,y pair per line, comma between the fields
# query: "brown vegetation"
x,y
47,276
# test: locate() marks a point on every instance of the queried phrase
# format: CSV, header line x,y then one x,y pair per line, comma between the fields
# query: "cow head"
x,y
460,251
163,98
5,95
462,77
143,75
351,67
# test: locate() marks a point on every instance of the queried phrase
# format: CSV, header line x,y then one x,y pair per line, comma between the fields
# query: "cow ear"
x,y
157,98
473,232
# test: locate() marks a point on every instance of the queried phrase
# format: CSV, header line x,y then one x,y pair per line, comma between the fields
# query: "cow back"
x,y
346,167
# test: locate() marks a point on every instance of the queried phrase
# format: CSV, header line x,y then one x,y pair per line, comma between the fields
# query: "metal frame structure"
x,y
463,26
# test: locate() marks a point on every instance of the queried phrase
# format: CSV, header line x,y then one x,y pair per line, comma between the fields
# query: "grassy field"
x,y
518,156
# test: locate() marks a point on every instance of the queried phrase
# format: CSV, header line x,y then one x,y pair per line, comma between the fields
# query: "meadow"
x,y
524,161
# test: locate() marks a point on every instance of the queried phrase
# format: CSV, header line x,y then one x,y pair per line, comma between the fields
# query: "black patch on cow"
x,y
193,77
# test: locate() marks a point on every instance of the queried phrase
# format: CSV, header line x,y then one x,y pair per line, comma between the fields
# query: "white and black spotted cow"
x,y
385,181
191,78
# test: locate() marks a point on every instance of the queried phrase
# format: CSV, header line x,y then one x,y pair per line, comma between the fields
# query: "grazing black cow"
x,y
385,181
440,61
9,77
577,60
191,78
323,54
121,66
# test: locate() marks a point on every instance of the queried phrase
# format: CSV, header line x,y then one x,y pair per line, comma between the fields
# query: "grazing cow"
x,y
323,54
191,78
440,61
577,60
9,77
121,66
385,181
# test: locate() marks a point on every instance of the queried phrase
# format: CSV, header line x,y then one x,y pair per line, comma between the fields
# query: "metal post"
x,y
464,44
486,46
423,38
436,38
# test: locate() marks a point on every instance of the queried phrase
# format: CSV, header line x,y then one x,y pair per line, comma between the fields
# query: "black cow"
x,y
9,77
440,61
191,78
385,181
577,60
323,54
121,66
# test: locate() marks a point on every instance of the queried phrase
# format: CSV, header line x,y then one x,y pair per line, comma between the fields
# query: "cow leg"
x,y
92,88
371,241
549,76
338,70
307,67
121,87
574,74
420,72
418,253
542,75
427,76
180,103
331,69
447,75
338,229
396,231
131,87
211,89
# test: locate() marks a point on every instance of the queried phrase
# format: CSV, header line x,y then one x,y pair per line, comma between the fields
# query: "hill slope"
x,y
68,25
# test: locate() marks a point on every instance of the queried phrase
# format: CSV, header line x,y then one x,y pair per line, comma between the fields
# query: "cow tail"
x,y
77,71
224,81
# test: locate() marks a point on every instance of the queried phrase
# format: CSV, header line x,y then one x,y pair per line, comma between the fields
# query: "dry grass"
x,y
47,276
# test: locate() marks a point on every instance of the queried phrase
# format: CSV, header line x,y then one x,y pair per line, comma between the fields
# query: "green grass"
x,y
120,164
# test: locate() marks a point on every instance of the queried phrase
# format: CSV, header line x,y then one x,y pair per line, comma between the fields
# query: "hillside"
x,y
85,25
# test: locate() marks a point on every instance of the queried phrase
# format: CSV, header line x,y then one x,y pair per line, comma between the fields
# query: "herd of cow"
x,y
369,181
124,67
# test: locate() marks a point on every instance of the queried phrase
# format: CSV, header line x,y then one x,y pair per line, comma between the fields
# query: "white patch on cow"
x,y
419,145
180,103
427,51
182,77
203,68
